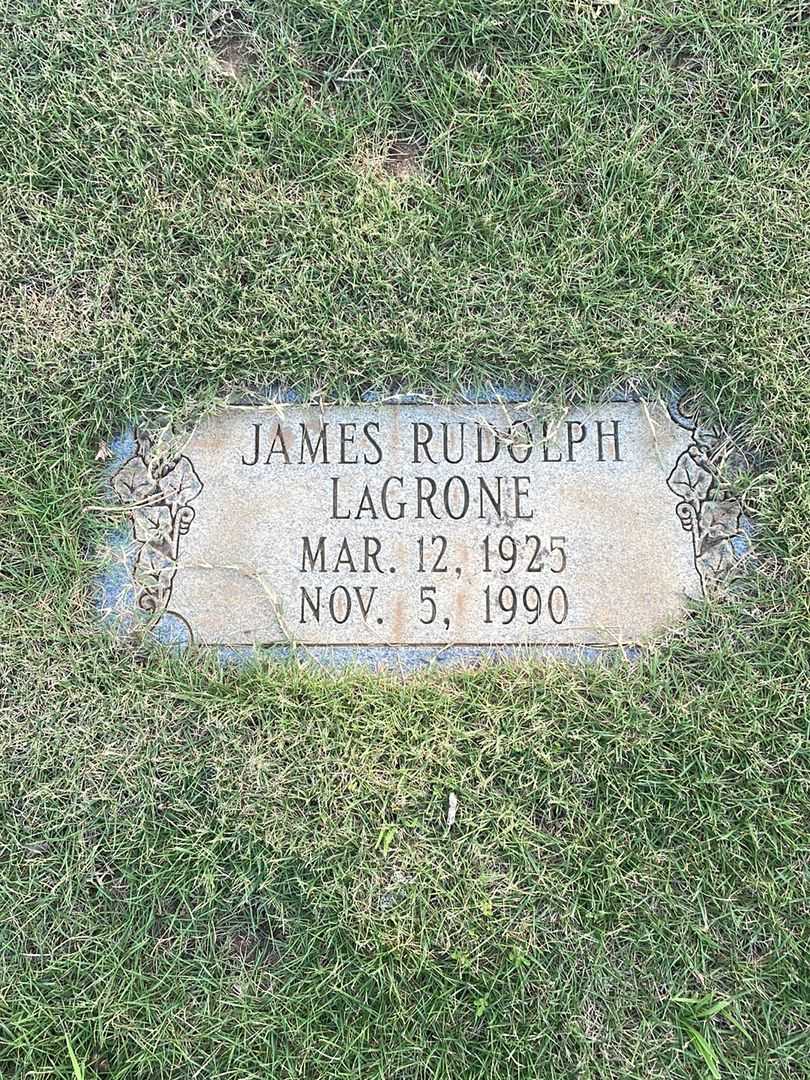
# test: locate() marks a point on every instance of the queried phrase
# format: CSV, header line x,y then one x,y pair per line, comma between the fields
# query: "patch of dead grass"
x,y
234,56
399,160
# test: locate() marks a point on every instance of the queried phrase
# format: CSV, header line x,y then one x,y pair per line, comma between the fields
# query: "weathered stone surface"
x,y
382,524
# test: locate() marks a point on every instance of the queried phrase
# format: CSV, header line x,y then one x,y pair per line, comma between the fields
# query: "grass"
x,y
247,872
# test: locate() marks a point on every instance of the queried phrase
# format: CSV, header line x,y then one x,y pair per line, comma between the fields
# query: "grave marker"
x,y
429,525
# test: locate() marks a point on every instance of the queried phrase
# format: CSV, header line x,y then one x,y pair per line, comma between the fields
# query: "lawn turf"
x,y
245,873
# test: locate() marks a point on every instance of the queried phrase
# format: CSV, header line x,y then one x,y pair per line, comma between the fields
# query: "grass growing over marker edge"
x,y
248,872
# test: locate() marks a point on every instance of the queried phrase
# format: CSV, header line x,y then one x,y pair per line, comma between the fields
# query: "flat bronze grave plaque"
x,y
428,525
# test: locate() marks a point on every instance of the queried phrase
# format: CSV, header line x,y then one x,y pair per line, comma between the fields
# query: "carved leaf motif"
x,y
180,484
132,483
719,520
714,522
154,569
159,513
692,476
716,560
152,524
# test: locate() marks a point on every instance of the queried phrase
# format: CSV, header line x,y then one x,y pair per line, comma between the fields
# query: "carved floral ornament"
x,y
707,509
158,493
